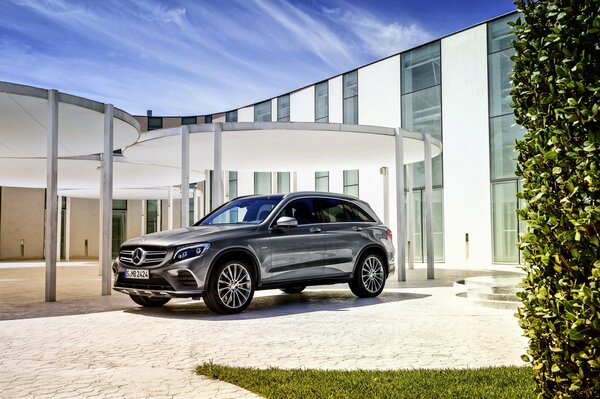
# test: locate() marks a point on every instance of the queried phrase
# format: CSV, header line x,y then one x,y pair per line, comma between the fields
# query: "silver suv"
x,y
260,242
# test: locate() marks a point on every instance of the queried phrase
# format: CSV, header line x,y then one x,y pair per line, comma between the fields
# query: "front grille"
x,y
152,256
155,282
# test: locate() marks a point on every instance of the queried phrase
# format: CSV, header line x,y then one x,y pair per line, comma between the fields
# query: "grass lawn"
x,y
497,382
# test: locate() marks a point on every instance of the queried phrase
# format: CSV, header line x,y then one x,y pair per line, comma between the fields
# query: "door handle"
x,y
357,228
314,230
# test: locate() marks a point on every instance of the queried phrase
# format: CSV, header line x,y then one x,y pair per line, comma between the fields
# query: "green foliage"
x,y
497,383
556,94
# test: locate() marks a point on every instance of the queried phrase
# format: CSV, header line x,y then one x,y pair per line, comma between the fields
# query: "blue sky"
x,y
186,57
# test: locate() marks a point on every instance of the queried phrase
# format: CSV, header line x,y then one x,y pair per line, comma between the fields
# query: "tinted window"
x,y
302,210
333,210
244,210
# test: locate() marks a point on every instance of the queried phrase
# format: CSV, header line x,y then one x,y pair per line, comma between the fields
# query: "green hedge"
x,y
556,96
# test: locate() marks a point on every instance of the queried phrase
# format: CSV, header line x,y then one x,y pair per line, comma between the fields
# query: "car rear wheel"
x,y
369,277
295,289
148,301
231,289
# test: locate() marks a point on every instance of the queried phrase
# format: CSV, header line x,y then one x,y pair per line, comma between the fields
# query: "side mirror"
x,y
286,221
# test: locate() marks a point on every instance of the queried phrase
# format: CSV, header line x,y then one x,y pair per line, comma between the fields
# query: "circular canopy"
x,y
288,146
24,117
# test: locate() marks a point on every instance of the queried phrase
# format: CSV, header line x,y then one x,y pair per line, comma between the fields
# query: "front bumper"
x,y
160,293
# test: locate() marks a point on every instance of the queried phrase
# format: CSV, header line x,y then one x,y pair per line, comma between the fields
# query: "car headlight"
x,y
190,251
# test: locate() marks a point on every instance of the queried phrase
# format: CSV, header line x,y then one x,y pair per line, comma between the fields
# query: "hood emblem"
x,y
138,257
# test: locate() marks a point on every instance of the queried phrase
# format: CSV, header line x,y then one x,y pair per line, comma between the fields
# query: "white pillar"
x,y
217,183
195,202
106,198
68,230
385,173
51,195
429,207
143,220
410,216
158,215
58,228
400,211
170,210
185,175
294,181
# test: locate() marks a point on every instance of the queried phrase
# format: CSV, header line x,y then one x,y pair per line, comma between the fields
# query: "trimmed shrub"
x,y
556,96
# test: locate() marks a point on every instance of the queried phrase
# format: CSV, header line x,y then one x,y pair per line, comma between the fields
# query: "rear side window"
x,y
333,210
303,210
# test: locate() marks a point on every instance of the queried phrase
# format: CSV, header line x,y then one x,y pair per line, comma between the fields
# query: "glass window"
x,y
243,210
118,205
283,108
208,119
500,70
422,111
262,182
322,181
503,134
188,120
283,182
351,182
151,216
421,68
155,122
504,222
302,210
191,206
231,116
357,213
350,104
322,102
262,112
500,34
233,185
333,210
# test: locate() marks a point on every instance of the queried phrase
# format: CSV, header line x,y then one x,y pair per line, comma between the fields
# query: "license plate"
x,y
139,274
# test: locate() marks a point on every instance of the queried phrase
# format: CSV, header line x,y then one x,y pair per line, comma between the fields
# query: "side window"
x,y
332,210
357,213
302,210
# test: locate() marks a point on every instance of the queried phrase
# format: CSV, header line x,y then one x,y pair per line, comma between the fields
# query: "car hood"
x,y
190,235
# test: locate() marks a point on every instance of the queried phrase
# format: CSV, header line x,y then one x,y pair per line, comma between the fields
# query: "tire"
x,y
369,276
230,288
295,289
148,301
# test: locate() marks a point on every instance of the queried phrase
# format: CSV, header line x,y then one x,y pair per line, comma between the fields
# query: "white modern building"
x,y
456,89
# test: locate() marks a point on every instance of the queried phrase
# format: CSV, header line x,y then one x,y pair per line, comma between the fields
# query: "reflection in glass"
x,y
262,182
283,108
351,182
500,35
503,134
421,68
500,71
262,112
504,221
322,102
283,182
322,181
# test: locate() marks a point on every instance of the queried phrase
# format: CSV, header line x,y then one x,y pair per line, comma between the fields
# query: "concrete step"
x,y
490,291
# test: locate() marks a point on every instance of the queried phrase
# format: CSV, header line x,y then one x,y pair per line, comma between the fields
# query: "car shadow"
x,y
277,305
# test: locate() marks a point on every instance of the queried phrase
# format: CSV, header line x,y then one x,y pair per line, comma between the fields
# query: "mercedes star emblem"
x,y
138,256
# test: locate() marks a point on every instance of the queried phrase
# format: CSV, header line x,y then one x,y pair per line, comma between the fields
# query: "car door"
x,y
297,252
344,235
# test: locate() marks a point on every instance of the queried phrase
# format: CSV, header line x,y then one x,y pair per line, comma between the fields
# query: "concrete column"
x,y
158,215
106,198
385,174
195,202
400,211
170,212
410,216
143,220
294,181
68,230
51,195
429,207
185,175
58,227
217,183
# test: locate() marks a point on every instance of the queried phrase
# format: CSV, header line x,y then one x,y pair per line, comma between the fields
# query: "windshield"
x,y
243,211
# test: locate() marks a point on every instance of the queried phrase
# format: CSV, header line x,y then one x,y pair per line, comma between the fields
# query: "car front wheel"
x,y
231,289
369,277
149,301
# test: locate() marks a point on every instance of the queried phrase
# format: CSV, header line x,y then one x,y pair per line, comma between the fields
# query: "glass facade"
x,y
283,108
151,216
350,97
322,102
262,182
422,112
262,112
322,181
503,133
155,122
231,116
351,182
233,185
283,182
208,119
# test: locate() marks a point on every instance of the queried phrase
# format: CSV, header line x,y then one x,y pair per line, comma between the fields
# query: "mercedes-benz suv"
x,y
260,242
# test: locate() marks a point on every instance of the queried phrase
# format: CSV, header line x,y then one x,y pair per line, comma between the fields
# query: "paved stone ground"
x,y
92,346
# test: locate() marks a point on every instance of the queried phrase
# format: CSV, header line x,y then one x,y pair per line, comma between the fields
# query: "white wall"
x,y
379,93
245,183
274,110
335,100
246,114
466,148
302,105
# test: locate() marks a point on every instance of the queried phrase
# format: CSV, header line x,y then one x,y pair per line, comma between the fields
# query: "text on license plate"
x,y
139,274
